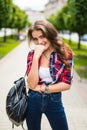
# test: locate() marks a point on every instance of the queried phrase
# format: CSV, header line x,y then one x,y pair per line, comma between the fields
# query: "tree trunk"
x,y
4,38
70,37
79,45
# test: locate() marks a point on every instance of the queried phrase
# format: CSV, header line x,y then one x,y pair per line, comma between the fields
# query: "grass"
x,y
80,59
6,47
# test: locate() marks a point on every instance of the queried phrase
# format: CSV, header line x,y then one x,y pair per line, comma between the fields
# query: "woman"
x,y
49,68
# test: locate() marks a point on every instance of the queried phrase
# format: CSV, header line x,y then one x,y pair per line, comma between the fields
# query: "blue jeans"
x,y
51,106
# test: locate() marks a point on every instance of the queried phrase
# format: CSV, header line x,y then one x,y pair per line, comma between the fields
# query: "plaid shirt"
x,y
58,71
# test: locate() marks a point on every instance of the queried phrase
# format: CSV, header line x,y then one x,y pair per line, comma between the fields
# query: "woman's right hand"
x,y
39,49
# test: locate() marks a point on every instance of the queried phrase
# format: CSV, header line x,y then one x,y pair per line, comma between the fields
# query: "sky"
x,y
33,4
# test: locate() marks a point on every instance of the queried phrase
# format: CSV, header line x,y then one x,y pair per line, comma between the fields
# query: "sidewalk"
x,y
75,100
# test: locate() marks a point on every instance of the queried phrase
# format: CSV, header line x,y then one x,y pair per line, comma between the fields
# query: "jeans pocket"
x,y
56,97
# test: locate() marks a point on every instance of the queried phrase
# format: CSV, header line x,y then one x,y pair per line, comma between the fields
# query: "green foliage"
x,y
5,10
11,16
1,12
78,10
67,17
52,19
59,20
72,17
19,18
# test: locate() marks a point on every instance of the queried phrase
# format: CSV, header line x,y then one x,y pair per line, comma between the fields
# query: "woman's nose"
x,y
39,41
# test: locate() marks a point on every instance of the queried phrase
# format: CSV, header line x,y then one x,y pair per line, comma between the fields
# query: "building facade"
x,y
53,6
34,15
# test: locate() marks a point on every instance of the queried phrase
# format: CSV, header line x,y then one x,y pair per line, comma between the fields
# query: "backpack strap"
x,y
12,125
21,126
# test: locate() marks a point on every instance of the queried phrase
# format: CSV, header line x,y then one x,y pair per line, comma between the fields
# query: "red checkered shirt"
x,y
58,71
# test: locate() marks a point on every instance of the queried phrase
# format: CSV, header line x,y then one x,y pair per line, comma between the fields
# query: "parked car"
x,y
84,37
21,35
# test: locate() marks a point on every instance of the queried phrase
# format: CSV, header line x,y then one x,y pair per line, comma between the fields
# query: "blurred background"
x,y
70,19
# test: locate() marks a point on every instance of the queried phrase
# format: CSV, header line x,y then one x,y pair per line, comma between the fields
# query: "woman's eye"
x,y
42,37
34,39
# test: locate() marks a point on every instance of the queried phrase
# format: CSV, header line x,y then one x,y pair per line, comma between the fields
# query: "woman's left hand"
x,y
39,88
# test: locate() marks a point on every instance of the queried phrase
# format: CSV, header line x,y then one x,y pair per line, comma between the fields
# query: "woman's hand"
x,y
39,49
39,88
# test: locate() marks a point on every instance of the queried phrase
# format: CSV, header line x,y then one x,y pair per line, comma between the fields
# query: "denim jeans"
x,y
51,106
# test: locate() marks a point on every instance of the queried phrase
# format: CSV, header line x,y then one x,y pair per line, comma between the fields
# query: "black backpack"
x,y
16,102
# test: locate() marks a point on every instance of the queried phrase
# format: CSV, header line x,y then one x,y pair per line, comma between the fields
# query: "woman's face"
x,y
40,39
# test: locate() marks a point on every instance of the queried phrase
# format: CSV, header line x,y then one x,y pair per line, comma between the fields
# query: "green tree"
x,y
19,18
5,10
52,20
78,11
68,20
1,12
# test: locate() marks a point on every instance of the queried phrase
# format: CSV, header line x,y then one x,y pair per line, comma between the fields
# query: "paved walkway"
x,y
13,66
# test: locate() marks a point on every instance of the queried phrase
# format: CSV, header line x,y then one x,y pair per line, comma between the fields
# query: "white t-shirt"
x,y
44,74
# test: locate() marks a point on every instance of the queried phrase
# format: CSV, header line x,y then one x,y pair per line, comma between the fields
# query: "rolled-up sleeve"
x,y
29,61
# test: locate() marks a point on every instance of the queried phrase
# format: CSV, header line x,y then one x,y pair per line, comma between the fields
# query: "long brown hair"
x,y
51,34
